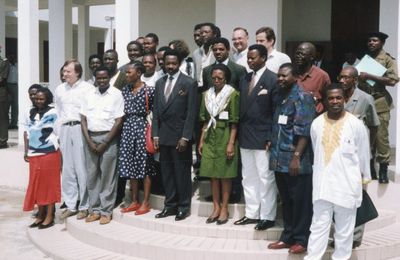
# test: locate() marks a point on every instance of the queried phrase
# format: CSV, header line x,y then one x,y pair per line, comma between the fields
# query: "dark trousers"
x,y
296,196
176,176
13,90
3,116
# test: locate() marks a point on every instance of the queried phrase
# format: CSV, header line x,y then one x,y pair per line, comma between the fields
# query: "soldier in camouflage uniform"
x,y
383,100
4,69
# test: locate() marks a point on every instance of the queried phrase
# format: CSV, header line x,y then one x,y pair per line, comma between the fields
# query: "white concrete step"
x,y
148,244
196,226
58,244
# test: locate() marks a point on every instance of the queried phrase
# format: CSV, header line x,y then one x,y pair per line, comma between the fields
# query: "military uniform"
x,y
383,104
4,69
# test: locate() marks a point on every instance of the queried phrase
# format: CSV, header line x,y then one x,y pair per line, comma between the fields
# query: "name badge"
x,y
282,120
224,115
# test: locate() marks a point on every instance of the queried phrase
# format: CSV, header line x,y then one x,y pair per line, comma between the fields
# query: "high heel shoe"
x,y
34,224
41,226
212,219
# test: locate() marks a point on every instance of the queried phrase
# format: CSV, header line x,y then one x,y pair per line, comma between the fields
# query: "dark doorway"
x,y
351,21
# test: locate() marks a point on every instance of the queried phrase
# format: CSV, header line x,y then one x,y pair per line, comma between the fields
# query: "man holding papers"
x,y
375,85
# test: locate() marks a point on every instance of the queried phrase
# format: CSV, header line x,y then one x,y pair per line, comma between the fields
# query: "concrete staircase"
x,y
143,237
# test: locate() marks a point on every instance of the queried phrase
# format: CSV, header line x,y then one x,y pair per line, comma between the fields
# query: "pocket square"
x,y
182,92
263,92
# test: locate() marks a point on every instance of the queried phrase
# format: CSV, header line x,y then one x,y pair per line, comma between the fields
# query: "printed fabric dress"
x,y
133,160
214,163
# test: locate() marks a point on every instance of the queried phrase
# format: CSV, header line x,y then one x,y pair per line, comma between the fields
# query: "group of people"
x,y
250,113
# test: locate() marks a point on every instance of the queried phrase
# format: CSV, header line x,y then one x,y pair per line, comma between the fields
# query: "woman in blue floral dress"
x,y
134,161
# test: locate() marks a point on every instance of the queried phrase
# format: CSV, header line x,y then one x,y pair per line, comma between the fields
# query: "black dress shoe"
x,y
63,206
34,224
166,213
245,220
181,215
264,224
41,226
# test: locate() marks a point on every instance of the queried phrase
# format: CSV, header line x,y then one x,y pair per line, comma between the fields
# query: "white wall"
x,y
389,24
306,20
243,14
174,19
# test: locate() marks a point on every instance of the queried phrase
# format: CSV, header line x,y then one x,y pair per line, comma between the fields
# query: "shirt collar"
x,y
97,91
176,75
261,71
75,84
272,54
225,62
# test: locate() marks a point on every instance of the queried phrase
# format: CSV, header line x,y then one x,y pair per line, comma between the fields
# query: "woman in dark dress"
x,y
134,161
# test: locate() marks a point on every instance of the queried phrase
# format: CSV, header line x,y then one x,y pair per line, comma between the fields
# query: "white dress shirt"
x,y
241,58
68,100
258,74
176,75
276,59
101,110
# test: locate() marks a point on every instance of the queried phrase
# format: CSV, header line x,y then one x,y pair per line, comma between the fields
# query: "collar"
x,y
75,84
225,62
272,54
176,75
97,91
308,74
261,71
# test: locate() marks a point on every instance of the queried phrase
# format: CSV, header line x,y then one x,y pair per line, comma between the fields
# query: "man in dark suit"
x,y
174,115
221,48
258,90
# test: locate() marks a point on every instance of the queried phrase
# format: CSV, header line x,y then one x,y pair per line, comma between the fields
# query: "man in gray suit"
x,y
174,116
221,48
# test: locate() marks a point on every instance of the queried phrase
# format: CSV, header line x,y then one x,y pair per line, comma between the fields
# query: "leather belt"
x,y
98,133
72,123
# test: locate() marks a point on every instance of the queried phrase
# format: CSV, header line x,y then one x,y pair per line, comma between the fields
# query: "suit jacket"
x,y
237,72
120,82
256,110
174,119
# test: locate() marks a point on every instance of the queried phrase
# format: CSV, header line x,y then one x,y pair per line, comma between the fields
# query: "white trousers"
x,y
345,220
74,174
259,185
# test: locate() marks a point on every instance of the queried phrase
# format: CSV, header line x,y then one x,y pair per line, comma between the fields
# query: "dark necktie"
x,y
252,84
168,89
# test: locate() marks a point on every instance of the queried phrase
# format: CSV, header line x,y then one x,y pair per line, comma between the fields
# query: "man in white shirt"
x,y
150,76
204,56
95,61
240,40
266,37
68,100
101,116
341,166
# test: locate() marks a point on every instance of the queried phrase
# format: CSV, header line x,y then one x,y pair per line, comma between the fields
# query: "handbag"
x,y
367,211
149,141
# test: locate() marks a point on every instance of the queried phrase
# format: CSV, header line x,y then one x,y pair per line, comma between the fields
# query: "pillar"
x,y
83,38
389,23
3,28
126,26
60,38
28,70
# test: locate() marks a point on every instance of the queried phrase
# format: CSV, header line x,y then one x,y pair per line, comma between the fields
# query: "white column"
x,y
389,23
252,16
28,70
60,38
126,26
107,39
3,28
83,37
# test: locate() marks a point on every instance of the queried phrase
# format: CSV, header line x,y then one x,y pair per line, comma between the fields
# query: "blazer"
x,y
256,110
174,119
237,72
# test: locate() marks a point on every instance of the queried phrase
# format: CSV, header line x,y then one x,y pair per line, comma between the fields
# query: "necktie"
x,y
168,89
252,84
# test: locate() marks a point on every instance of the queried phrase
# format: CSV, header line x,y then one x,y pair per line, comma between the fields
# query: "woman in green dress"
x,y
219,113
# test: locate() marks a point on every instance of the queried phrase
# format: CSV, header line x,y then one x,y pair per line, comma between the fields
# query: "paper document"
x,y
371,66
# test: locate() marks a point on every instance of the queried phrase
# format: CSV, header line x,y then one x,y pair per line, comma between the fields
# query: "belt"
x,y
98,133
72,123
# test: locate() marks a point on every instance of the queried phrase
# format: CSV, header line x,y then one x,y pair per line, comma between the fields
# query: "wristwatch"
x,y
297,154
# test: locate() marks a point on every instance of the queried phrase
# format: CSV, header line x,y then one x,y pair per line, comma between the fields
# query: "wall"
x,y
266,13
174,19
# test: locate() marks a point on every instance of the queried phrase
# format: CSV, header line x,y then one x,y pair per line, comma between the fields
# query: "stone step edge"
x,y
58,244
196,226
125,240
